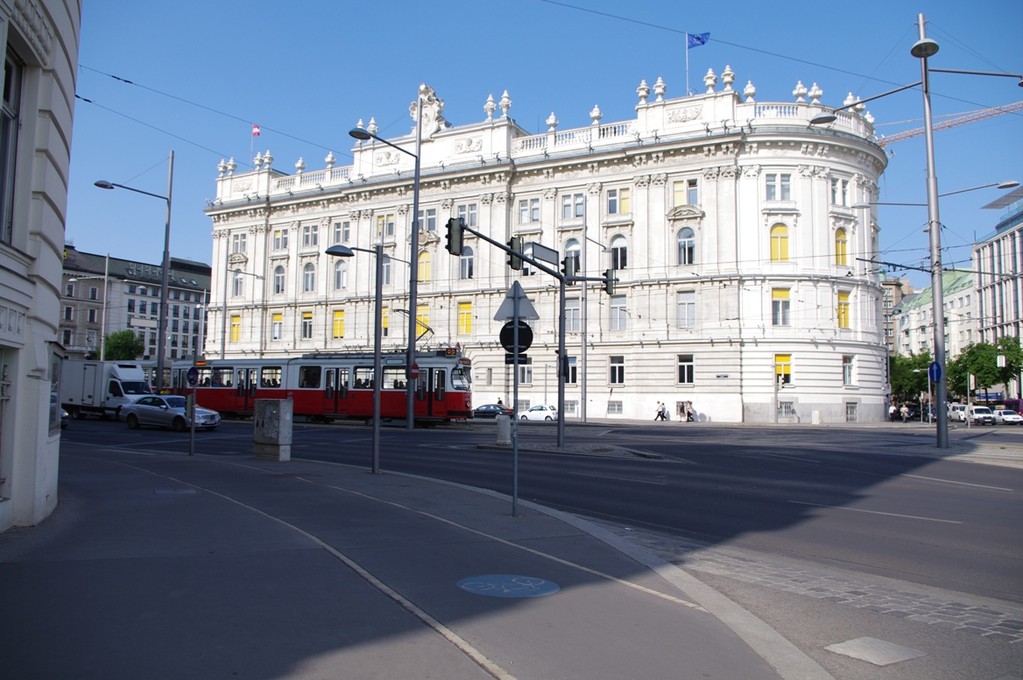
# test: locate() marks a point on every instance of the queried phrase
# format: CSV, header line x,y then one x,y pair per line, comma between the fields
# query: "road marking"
x,y
952,481
620,478
877,512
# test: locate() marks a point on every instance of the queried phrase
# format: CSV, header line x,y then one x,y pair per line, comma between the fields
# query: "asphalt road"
x,y
856,499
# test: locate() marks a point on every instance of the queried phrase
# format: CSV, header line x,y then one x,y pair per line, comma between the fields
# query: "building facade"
x,y
40,41
728,224
916,317
101,295
892,293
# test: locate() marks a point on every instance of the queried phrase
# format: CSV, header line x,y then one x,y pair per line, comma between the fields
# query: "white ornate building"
x,y
40,41
728,221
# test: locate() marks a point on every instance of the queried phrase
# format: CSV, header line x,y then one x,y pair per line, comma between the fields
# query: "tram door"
x,y
335,393
431,393
245,383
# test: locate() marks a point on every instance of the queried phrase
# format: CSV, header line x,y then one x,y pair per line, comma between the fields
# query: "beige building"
x,y
728,222
40,40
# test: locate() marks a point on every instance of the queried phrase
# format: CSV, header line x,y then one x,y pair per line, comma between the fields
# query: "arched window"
x,y
686,241
841,248
425,267
779,243
619,253
279,280
573,252
465,263
340,275
309,278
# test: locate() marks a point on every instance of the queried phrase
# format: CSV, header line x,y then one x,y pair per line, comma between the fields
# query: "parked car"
x,y
981,415
540,412
957,412
491,411
1004,416
167,411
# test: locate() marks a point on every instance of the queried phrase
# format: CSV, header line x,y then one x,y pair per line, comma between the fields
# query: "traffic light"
x,y
609,281
456,229
570,267
514,259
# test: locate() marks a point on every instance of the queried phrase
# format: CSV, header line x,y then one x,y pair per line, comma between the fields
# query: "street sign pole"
x,y
515,403
562,364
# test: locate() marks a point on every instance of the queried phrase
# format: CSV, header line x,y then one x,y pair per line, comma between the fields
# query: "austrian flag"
x,y
255,130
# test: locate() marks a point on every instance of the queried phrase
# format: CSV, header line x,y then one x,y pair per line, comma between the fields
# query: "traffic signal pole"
x,y
455,238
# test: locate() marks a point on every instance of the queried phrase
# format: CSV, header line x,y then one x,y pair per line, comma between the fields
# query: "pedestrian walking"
x,y
659,415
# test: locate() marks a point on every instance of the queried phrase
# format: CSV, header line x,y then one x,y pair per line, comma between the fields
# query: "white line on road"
x,y
952,481
877,512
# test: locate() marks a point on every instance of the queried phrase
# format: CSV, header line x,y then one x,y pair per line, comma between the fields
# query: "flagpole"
x,y
686,65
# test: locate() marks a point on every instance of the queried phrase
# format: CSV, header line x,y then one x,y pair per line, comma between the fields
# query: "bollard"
x,y
271,429
503,430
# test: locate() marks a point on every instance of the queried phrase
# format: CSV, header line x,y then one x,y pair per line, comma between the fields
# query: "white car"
x,y
167,411
1004,416
540,412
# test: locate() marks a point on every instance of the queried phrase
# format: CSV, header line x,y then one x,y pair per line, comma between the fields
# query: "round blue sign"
x,y
508,585
934,371
193,376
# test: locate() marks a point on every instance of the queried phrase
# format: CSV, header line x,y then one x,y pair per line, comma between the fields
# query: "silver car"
x,y
167,411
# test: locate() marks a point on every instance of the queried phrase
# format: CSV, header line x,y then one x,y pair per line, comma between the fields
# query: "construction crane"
x,y
971,117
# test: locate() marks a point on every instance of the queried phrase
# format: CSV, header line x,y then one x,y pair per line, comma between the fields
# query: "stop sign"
x,y
414,372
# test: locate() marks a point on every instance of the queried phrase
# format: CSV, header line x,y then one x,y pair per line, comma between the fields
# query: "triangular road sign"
x,y
507,309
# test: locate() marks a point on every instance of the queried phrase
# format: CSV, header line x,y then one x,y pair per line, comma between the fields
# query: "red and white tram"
x,y
332,386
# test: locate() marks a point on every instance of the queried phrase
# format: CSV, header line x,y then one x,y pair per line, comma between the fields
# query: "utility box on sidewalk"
x,y
271,431
503,430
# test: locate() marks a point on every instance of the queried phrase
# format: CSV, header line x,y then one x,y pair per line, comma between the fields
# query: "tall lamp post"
x,y
161,337
923,49
410,355
378,314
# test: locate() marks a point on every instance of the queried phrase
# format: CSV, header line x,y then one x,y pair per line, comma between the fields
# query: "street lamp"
x,y
410,356
378,313
923,49
161,339
1008,184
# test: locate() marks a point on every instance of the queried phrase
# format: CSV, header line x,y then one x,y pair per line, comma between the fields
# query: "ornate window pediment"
x,y
685,212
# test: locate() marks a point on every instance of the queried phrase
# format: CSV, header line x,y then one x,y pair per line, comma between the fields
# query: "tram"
x,y
332,386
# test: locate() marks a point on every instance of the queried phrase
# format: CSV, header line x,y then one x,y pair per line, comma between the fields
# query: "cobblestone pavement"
x,y
996,620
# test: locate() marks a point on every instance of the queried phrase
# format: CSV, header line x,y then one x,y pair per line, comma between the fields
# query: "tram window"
x,y
394,378
270,376
221,377
439,385
460,378
309,376
364,377
342,378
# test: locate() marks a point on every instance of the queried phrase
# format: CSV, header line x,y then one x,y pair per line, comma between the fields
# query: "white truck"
x,y
100,387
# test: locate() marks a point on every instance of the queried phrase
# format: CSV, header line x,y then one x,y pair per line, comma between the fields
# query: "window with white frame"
x,y
309,278
778,186
340,275
780,306
527,269
428,219
280,239
573,371
342,231
385,270
573,252
310,235
385,226
279,280
14,73
307,325
619,313
685,242
614,408
847,370
686,369
685,192
619,201
573,320
238,243
573,206
276,326
529,210
525,374
686,308
839,191
616,370
237,285
468,212
466,263
619,252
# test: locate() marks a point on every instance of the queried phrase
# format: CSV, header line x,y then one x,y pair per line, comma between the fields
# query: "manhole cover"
x,y
508,585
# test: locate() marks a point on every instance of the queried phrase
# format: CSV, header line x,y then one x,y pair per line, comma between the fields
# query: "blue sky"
x,y
202,72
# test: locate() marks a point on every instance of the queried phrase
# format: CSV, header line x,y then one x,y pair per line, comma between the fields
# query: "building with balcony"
x,y
728,223
101,295
40,41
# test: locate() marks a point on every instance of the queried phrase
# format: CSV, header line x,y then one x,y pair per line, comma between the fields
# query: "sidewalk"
x,y
168,566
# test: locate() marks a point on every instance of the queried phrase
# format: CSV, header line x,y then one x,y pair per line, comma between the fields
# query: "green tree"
x,y
909,376
981,361
123,345
1009,348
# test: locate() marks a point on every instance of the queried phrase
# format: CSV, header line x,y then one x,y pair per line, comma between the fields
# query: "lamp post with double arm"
x,y
161,335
